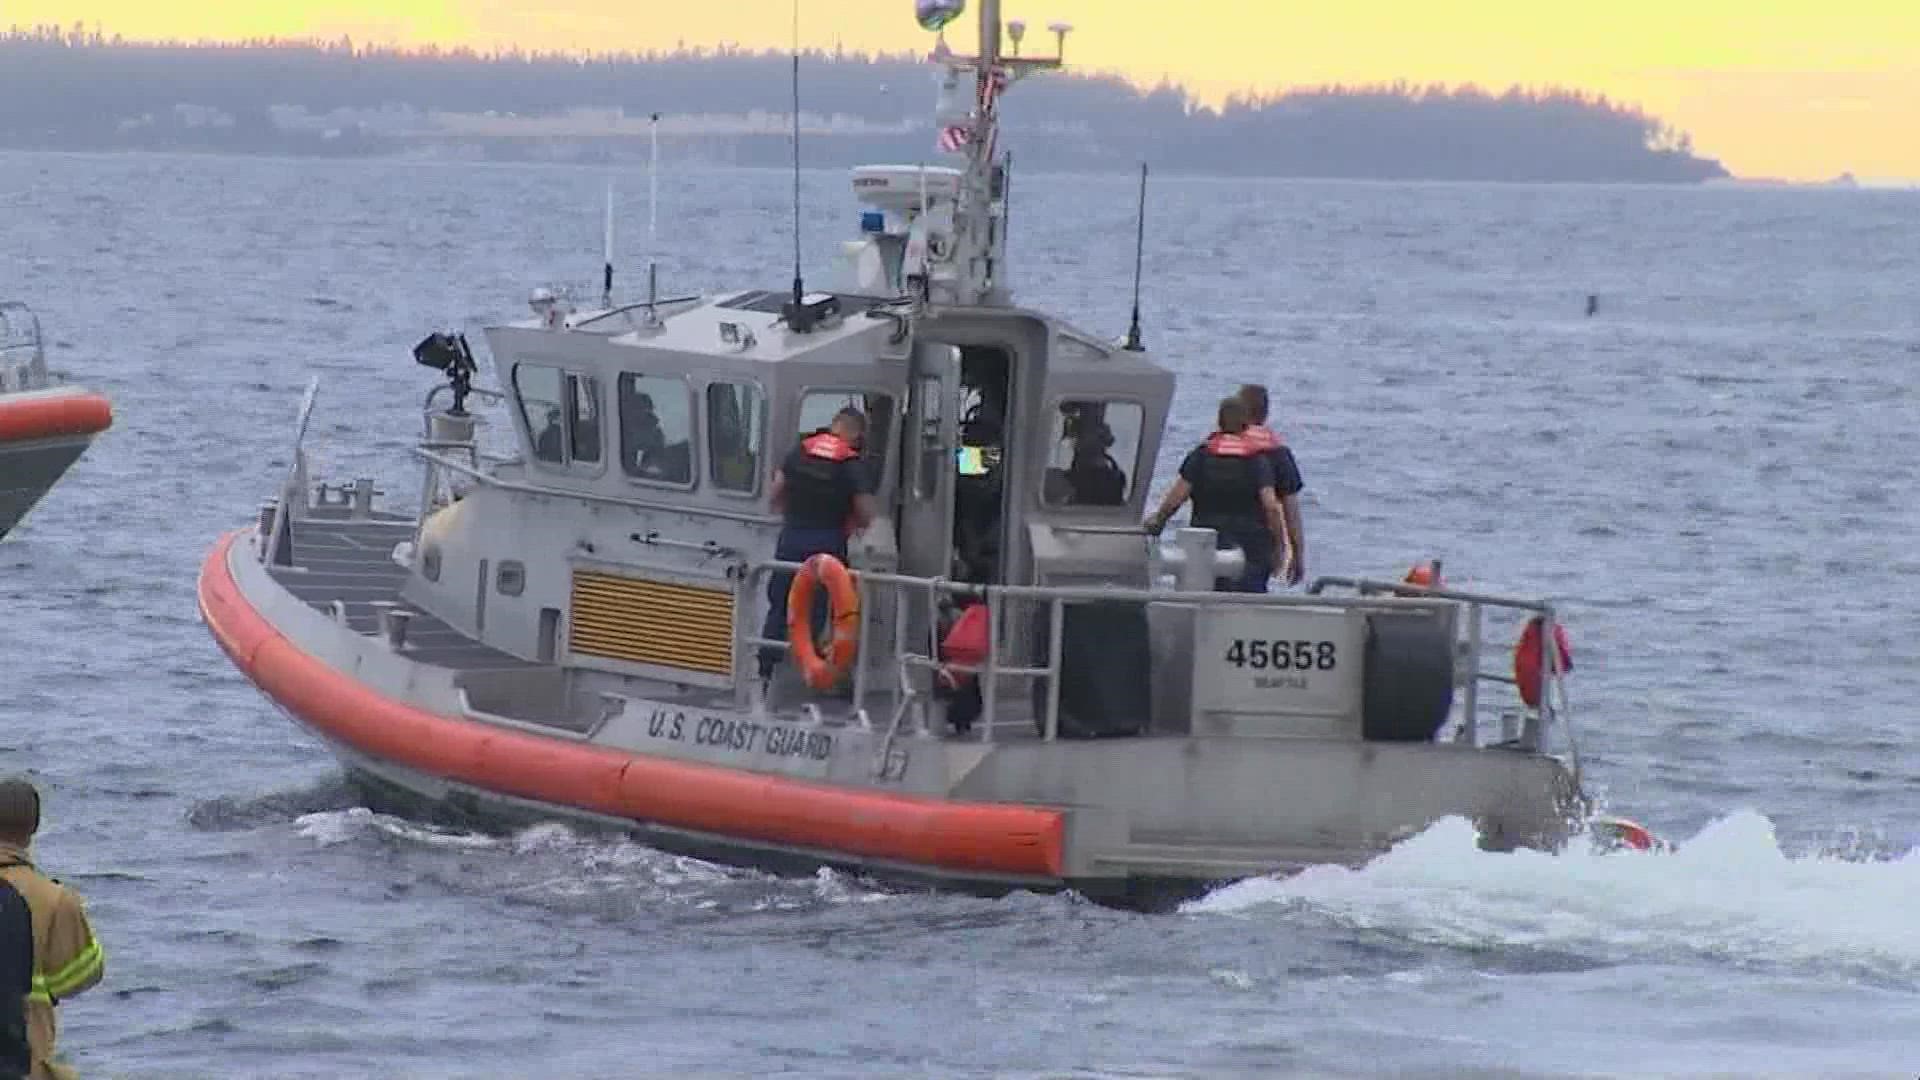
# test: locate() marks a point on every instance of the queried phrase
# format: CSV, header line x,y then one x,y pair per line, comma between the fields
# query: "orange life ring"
x,y
1526,659
1627,833
843,600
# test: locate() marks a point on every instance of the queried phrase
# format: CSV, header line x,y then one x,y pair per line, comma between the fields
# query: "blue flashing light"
x,y
873,221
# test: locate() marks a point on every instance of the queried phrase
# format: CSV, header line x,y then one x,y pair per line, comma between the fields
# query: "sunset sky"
x,y
1788,88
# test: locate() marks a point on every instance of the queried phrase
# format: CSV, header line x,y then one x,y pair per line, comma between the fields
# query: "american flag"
x,y
957,137
990,85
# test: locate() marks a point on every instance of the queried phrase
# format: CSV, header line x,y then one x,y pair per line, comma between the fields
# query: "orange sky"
x,y
1789,88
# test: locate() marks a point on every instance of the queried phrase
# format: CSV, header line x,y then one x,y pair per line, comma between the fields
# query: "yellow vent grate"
x,y
652,622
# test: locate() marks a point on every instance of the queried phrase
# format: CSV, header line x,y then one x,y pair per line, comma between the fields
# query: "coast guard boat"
x,y
45,424
571,632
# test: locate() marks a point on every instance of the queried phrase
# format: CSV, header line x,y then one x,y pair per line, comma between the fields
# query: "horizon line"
x,y
1248,93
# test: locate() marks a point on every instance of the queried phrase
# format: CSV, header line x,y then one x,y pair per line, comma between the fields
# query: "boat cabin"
x,y
1007,448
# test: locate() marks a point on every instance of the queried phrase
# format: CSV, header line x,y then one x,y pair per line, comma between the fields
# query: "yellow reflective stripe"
x,y
78,970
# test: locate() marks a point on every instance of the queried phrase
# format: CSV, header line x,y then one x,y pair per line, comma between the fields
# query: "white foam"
x,y
593,864
1729,892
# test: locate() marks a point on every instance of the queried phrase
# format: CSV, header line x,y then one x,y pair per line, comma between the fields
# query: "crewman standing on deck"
x,y
1230,479
47,950
1286,477
824,493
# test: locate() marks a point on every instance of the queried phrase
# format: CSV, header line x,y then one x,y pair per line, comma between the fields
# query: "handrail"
x,y
433,395
625,309
21,335
1400,599
1367,586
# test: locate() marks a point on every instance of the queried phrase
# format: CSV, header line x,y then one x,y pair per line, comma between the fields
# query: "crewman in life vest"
x,y
1230,479
824,492
47,949
1286,477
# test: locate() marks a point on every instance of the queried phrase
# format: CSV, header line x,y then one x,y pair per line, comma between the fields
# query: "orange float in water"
x,y
1423,575
1526,659
1626,833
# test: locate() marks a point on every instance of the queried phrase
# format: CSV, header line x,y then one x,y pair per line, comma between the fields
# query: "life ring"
x,y
1621,832
1526,659
843,610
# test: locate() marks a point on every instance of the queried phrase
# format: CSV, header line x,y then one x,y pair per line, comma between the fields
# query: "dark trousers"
x,y
964,703
1258,549
796,544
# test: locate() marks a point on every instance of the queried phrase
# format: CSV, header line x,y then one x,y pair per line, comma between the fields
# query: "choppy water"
x,y
1716,476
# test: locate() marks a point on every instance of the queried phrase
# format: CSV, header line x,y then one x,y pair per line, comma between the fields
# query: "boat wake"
x,y
232,813
552,867
1729,894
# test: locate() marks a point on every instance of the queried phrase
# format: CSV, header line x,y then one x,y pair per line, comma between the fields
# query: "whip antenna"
x,y
653,181
653,214
799,316
1139,246
606,265
798,288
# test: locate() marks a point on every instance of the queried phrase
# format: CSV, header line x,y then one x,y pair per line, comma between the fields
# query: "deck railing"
x,y
915,602
23,356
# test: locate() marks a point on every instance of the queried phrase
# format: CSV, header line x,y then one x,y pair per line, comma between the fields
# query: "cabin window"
x,y
656,429
817,410
736,429
1096,451
562,413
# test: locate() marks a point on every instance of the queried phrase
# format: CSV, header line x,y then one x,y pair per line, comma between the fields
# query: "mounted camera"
x,y
449,353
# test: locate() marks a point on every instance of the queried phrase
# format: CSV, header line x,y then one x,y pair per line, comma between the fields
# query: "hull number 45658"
x,y
1260,655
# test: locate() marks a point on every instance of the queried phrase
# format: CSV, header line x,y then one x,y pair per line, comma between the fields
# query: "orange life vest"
x,y
1221,444
827,446
1265,437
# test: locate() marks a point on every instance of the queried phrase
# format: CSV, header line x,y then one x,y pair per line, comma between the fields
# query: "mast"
x,y
976,265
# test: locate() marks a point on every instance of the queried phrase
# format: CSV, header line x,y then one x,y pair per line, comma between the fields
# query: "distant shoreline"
x,y
76,92
630,168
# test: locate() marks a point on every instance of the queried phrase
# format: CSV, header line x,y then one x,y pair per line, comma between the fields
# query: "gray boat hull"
x,y
28,470
1138,822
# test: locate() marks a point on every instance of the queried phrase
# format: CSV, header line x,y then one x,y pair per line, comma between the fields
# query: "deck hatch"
x,y
652,622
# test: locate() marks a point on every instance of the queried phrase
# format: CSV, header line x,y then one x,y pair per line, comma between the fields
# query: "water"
x,y
1716,476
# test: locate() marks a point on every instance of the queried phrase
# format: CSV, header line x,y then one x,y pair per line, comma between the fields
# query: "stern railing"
x,y
916,602
1527,727
23,355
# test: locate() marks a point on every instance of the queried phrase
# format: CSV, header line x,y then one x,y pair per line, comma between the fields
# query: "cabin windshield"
x,y
736,430
562,414
1096,452
656,429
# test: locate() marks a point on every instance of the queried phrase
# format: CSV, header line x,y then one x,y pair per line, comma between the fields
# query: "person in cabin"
x,y
1230,479
47,949
1286,477
1094,478
549,443
646,439
824,492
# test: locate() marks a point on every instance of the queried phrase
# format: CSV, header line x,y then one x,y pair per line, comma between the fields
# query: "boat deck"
x,y
350,562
